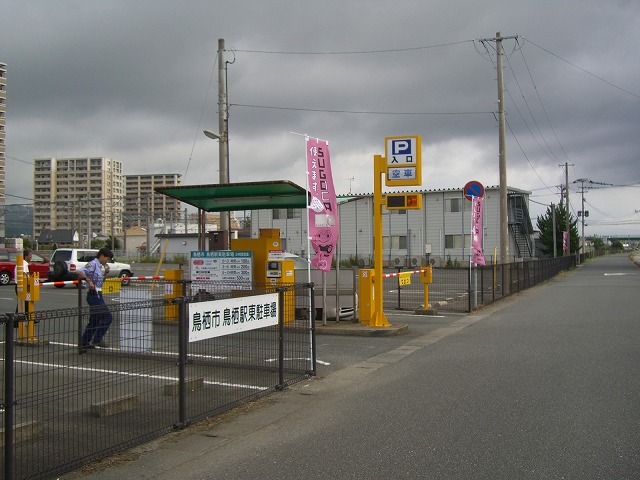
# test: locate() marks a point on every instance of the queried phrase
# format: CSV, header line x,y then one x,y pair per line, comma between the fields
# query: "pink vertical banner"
x,y
564,241
476,230
323,207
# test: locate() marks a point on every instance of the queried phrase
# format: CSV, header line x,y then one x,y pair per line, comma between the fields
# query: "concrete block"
x,y
23,432
191,385
115,406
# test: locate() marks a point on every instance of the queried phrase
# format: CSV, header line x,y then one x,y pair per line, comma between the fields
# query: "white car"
x,y
347,286
65,262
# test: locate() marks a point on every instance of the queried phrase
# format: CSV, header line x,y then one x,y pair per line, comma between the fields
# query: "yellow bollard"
x,y
172,289
366,295
426,278
29,292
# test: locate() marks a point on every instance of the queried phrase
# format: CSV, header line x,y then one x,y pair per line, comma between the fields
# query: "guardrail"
x,y
462,289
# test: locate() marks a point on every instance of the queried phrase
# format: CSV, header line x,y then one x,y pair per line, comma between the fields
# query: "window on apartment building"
x,y
456,241
293,213
395,242
278,213
453,205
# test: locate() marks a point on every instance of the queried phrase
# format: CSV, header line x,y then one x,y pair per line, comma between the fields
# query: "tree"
x,y
105,243
617,245
245,222
598,244
545,225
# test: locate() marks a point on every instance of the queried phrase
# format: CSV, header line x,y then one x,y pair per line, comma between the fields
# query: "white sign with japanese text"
x,y
233,266
218,318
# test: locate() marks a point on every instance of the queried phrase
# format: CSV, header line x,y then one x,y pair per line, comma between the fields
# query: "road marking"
x,y
271,360
155,352
618,274
408,312
132,374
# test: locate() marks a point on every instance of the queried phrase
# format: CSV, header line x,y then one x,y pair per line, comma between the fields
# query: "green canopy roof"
x,y
239,196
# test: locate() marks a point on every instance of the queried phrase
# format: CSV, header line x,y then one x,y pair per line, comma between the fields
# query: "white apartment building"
x,y
439,231
84,194
143,205
3,105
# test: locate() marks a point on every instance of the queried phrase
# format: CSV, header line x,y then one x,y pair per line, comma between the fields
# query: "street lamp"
x,y
224,175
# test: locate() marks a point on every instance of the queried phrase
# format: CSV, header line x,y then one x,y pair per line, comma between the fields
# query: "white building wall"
x,y
420,228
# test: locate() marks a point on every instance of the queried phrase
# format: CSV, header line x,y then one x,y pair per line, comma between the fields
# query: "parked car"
x,y
65,262
347,285
39,263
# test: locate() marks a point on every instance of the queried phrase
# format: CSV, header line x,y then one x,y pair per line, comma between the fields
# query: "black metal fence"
x,y
461,289
64,407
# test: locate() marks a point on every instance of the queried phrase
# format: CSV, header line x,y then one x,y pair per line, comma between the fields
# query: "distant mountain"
x,y
18,220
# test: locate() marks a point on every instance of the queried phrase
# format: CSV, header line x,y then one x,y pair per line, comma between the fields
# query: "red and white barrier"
x,y
397,274
76,282
60,283
151,277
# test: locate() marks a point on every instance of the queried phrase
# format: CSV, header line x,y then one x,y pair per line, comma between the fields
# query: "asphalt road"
x,y
543,385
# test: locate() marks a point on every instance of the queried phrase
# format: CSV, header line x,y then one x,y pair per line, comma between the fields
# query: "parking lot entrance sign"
x,y
404,160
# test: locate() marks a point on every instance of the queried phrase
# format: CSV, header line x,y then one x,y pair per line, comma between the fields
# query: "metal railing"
x,y
461,289
65,407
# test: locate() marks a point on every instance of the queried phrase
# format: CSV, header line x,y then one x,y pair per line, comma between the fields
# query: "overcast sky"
x,y
137,81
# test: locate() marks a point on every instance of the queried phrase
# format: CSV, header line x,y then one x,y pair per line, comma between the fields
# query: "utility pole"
x,y
582,180
553,222
583,213
568,219
223,129
502,153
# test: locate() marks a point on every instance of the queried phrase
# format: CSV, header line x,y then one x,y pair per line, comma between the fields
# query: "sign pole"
x,y
379,167
401,166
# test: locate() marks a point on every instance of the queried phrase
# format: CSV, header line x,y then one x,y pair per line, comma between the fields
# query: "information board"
x,y
221,266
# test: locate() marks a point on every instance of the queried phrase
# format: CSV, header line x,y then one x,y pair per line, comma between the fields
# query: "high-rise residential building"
x,y
3,104
85,194
143,203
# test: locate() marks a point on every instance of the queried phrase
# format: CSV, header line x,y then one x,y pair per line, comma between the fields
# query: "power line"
x,y
524,60
353,52
356,112
535,122
9,157
525,155
584,70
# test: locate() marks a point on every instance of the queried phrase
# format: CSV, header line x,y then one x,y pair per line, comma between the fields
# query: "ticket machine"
x,y
269,264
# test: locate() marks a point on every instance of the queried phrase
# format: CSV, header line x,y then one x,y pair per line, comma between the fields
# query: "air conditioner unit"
x,y
415,261
397,261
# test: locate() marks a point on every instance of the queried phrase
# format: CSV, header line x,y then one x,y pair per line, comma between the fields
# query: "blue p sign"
x,y
401,147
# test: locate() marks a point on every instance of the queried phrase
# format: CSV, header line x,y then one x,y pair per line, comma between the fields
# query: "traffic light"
x,y
403,201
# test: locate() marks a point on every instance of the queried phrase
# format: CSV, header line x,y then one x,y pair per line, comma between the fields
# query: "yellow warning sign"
x,y
404,279
111,285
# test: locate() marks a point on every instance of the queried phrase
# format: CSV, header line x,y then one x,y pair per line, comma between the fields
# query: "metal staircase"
x,y
520,225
